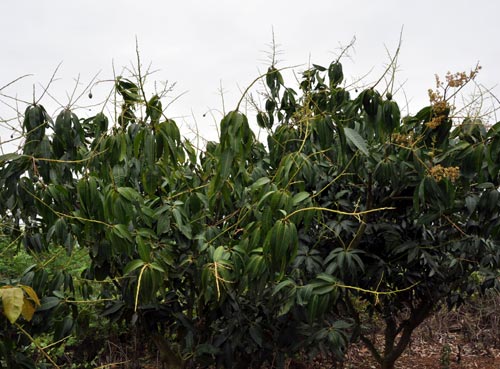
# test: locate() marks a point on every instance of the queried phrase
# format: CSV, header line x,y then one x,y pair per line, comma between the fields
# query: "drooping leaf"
x,y
133,265
31,294
28,310
300,197
355,138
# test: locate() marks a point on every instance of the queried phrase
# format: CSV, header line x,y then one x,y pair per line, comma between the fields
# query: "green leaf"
x,y
323,289
115,307
133,265
122,231
149,148
256,334
206,349
326,278
313,307
256,266
128,193
260,182
8,157
119,175
219,253
226,164
163,225
154,109
49,303
144,249
58,294
485,186
335,74
176,212
154,265
63,328
358,141
283,284
263,120
123,147
298,198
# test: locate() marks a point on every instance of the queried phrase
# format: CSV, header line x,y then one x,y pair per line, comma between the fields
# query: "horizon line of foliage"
x,y
243,253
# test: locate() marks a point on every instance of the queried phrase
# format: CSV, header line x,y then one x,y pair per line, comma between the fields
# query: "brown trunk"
x,y
394,348
387,365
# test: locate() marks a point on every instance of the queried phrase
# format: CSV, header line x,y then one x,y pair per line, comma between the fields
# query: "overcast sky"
x,y
203,45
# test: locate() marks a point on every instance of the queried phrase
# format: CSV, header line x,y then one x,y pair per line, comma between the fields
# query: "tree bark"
x,y
393,349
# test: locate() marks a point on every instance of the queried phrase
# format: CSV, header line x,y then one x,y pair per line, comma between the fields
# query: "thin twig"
x,y
52,78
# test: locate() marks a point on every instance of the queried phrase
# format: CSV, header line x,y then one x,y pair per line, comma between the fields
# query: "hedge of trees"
x,y
248,252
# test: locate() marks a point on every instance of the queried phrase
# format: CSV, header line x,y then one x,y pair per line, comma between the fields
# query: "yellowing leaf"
x,y
28,310
12,301
32,294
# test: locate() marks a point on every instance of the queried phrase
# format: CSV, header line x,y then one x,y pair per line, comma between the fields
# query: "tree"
x,y
242,252
428,191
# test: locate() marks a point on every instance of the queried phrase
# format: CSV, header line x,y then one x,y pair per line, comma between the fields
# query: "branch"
x,y
392,62
357,214
361,230
368,343
418,315
254,82
37,346
14,81
48,85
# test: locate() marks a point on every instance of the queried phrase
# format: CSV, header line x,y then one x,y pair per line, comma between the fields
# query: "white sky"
x,y
202,45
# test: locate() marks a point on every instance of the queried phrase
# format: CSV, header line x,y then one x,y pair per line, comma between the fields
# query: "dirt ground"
x,y
450,355
466,338
443,350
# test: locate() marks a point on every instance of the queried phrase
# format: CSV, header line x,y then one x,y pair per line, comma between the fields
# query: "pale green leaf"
x,y
358,141
128,193
260,182
133,265
298,198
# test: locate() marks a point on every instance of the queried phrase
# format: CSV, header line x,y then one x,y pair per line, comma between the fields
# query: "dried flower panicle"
x,y
456,80
402,139
434,96
440,101
435,121
461,78
438,172
440,109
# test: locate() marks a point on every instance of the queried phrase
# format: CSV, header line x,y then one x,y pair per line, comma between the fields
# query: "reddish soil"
x,y
425,355
442,350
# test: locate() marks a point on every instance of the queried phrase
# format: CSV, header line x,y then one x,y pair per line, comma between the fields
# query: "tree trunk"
x,y
393,348
387,364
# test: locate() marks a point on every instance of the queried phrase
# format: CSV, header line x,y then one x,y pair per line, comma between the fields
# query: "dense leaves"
x,y
244,252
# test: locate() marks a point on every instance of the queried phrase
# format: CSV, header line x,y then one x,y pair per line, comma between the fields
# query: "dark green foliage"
x,y
242,254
